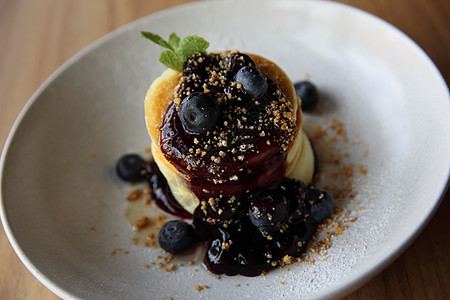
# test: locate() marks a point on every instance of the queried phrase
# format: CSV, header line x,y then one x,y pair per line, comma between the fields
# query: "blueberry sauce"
x,y
251,218
239,247
247,149
242,248
161,193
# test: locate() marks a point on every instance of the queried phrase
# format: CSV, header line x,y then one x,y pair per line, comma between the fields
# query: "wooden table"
x,y
37,36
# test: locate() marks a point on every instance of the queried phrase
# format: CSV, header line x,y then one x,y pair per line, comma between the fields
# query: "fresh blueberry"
x,y
308,94
322,204
130,167
253,82
176,236
199,113
306,229
268,209
237,61
293,188
296,192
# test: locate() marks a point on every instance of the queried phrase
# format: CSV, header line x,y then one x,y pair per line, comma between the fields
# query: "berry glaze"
x,y
161,193
242,248
248,147
228,166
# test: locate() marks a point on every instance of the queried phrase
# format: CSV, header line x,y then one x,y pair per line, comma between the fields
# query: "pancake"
x,y
299,162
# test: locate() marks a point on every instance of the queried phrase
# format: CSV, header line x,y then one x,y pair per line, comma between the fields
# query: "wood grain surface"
x,y
37,36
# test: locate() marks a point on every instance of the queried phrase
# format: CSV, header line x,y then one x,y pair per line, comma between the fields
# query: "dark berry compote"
x,y
227,132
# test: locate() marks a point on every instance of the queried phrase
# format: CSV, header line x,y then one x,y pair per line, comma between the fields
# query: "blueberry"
x,y
268,209
130,167
293,188
306,229
253,82
322,204
176,236
199,113
237,61
308,94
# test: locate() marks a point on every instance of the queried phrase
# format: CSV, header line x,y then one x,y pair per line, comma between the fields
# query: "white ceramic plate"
x,y
57,178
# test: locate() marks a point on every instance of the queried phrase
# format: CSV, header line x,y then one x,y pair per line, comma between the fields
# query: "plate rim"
x,y
340,289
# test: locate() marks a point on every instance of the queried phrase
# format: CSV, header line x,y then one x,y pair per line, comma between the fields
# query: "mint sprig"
x,y
180,50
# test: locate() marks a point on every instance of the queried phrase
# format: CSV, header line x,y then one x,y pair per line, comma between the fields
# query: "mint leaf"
x,y
171,60
180,50
190,45
156,39
174,40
